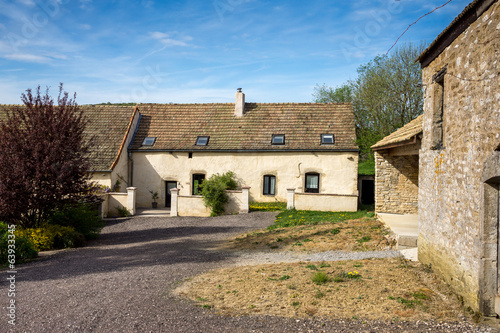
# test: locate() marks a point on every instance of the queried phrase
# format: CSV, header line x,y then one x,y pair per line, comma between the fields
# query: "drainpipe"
x,y
131,169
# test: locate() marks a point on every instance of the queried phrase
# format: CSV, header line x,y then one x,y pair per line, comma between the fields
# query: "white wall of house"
x,y
337,170
101,178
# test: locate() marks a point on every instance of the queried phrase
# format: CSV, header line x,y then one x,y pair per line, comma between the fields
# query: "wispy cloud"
x,y
167,39
26,57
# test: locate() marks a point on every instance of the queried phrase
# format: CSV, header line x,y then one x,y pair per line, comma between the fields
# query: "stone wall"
x,y
450,184
396,183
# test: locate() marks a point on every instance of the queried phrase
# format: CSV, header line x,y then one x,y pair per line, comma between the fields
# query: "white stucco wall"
x,y
101,178
338,171
326,202
115,201
193,205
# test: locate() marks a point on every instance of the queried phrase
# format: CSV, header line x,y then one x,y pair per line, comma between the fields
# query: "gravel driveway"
x,y
122,283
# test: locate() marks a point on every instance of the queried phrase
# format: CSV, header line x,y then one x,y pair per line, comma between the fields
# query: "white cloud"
x,y
85,26
26,57
167,40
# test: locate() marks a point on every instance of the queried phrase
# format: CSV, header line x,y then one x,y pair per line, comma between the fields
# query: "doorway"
x,y
169,185
489,270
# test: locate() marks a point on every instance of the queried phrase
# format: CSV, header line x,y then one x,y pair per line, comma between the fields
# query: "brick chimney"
x,y
239,106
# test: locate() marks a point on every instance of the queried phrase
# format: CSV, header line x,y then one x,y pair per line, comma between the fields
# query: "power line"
x,y
421,17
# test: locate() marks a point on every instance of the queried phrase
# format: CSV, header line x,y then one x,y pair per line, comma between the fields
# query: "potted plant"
x,y
154,196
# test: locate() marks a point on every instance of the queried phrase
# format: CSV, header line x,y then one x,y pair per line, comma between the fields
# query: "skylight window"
x,y
278,139
327,139
202,140
148,141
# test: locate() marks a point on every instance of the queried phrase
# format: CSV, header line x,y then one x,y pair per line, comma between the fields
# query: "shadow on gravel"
x,y
117,251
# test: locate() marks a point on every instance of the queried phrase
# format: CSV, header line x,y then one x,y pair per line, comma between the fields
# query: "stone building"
x,y
459,172
396,170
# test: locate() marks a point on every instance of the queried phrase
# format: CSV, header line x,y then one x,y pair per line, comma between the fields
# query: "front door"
x,y
169,185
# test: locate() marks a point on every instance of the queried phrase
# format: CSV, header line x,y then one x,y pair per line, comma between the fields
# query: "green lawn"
x,y
290,218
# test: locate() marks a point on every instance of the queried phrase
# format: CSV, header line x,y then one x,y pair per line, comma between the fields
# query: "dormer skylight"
x,y
278,139
148,141
327,139
202,140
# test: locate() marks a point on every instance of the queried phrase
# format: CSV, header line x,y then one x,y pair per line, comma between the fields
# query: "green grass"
x,y
290,218
321,277
267,206
366,168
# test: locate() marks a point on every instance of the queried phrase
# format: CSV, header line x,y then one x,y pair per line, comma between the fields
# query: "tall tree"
x,y
386,95
43,158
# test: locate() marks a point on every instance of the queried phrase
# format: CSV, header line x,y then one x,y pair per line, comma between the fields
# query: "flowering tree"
x,y
43,158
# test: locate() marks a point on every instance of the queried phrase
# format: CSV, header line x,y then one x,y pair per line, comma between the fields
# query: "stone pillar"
x,y
174,206
290,198
131,200
245,198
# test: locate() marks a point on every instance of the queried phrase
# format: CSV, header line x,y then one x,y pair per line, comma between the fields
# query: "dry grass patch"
x,y
383,289
364,234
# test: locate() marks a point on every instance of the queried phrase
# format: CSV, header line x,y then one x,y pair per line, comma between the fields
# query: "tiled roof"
x,y
405,133
176,126
108,124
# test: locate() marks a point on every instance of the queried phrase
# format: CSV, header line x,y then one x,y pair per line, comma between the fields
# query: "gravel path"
x,y
122,283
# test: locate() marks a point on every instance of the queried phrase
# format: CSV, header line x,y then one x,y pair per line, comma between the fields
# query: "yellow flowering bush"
x,y
52,237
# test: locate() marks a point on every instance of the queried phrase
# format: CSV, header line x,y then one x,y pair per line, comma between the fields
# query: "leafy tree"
x,y
341,94
385,95
43,158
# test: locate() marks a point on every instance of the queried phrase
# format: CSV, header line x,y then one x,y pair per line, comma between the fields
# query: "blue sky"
x,y
200,51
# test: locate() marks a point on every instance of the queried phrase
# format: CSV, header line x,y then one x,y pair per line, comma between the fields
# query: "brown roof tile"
x,y
107,124
176,126
403,134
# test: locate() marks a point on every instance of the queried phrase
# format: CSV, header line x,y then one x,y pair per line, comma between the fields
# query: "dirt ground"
x,y
373,289
366,234
383,289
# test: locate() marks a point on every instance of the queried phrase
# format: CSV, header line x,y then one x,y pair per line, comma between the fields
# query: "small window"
x,y
198,178
202,140
312,183
327,139
269,185
278,139
148,141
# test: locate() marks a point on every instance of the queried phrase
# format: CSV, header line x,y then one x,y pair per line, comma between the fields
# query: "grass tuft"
x,y
321,278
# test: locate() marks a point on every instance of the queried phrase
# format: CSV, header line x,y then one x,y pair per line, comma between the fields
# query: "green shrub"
x,y
81,217
24,248
123,212
52,237
214,191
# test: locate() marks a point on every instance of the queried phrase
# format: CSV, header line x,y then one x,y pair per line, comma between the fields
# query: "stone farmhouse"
x,y
458,163
301,153
271,148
